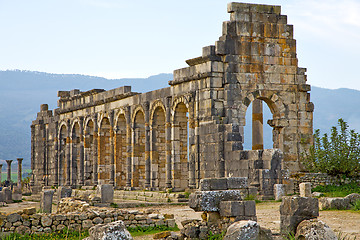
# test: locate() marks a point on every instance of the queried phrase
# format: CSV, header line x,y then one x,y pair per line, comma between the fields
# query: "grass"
x,y
13,174
356,206
64,234
338,191
140,231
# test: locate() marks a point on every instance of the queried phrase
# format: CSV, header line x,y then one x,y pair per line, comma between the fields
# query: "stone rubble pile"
x,y
28,221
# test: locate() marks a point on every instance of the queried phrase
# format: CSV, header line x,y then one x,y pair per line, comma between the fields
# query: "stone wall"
x,y
28,221
317,179
193,129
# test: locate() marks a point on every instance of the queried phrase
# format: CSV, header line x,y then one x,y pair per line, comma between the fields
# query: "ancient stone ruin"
x,y
193,129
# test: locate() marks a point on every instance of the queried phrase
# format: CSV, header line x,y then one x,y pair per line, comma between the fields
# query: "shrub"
x,y
336,155
356,206
338,191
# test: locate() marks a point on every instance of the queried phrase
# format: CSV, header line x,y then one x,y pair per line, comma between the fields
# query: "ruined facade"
x,y
193,129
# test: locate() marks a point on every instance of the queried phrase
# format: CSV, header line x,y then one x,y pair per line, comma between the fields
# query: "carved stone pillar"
x,y
257,125
19,172
9,169
168,143
128,146
0,172
81,170
147,146
112,145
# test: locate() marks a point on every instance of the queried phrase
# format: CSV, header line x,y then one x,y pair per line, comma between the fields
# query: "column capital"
x,y
8,161
19,160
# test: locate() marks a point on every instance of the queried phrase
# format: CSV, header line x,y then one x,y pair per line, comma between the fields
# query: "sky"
x,y
130,39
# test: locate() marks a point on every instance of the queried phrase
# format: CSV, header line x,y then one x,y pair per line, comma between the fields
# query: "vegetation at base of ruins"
x,y
356,206
187,194
337,154
290,236
338,191
217,236
114,205
140,231
64,234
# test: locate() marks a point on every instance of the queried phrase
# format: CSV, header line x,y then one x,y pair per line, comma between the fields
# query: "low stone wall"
x,y
28,221
317,179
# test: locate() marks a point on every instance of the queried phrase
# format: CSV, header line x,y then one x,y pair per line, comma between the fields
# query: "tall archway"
x,y
104,156
63,165
120,152
75,160
90,148
158,150
138,154
180,149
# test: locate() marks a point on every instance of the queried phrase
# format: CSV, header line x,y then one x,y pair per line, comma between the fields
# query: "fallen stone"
x,y
114,230
243,230
237,182
314,230
210,200
295,209
161,235
208,184
334,203
353,197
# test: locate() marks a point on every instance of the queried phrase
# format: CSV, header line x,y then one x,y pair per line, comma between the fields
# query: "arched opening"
x,y
180,147
257,133
120,152
75,160
104,156
90,148
138,154
158,150
62,156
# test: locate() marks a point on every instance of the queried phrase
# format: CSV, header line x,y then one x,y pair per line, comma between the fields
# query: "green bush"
x,y
139,231
336,155
356,206
338,191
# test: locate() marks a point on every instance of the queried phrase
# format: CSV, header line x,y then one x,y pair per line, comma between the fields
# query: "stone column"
x,y
19,171
9,169
112,158
68,159
128,146
32,155
257,125
95,152
0,172
192,183
81,170
147,146
168,143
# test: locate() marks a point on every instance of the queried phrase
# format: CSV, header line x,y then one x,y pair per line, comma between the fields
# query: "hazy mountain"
x,y
22,92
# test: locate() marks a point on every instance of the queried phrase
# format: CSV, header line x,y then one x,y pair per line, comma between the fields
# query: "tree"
x,y
338,154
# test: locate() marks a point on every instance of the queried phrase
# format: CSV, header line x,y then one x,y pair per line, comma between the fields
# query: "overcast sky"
x,y
118,38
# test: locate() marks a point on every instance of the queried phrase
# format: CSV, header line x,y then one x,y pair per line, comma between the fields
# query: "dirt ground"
x,y
268,215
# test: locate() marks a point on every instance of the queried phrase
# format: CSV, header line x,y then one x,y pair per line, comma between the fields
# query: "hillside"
x,y
22,92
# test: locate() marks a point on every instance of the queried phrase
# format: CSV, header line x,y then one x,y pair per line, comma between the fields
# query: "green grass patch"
x,y
64,234
140,231
356,206
338,191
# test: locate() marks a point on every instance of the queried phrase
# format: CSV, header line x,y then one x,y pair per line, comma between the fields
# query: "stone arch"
x,y
89,151
120,149
158,147
104,151
180,151
62,151
181,99
276,106
138,148
154,106
75,153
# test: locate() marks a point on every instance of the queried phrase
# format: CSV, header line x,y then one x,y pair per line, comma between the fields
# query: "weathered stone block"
x,y
210,200
237,182
46,201
209,184
314,229
106,192
305,189
64,192
279,191
114,230
232,208
334,203
7,194
295,209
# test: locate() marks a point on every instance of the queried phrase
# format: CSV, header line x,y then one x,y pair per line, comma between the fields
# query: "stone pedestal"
x,y
106,192
7,194
17,194
305,189
64,192
9,169
279,191
294,210
46,201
